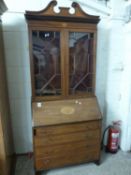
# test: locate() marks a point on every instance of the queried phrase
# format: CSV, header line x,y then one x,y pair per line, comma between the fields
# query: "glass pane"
x,y
81,62
46,58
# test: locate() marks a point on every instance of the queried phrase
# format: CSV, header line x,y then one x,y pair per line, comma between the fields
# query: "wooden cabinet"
x,y
66,116
64,135
62,53
67,144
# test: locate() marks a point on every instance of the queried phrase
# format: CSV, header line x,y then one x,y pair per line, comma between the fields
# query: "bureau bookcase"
x,y
66,120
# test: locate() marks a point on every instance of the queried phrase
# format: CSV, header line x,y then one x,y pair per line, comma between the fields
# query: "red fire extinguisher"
x,y
113,137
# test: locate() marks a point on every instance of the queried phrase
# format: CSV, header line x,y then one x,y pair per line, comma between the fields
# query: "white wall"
x,y
110,79
101,68
115,97
102,62
18,72
125,107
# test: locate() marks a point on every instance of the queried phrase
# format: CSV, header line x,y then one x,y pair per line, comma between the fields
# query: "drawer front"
x,y
67,159
67,128
90,136
56,146
59,150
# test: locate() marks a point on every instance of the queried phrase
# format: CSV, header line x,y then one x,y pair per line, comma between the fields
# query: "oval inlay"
x,y
67,110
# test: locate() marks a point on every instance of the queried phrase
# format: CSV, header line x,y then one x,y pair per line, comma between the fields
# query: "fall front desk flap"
x,y
65,111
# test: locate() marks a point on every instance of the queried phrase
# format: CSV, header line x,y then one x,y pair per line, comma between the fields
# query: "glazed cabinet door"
x,y
81,73
46,63
63,63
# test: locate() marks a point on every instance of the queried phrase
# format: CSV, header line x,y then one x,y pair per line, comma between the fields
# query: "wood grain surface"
x,y
85,109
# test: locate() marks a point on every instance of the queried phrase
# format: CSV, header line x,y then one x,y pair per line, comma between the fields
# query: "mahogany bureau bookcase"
x,y
66,120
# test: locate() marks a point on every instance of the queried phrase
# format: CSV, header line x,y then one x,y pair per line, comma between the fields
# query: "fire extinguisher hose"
x,y
103,136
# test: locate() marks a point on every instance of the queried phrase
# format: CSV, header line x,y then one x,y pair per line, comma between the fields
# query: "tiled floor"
x,y
111,164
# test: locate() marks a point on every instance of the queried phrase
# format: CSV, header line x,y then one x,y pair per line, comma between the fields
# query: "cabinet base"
x,y
97,162
43,172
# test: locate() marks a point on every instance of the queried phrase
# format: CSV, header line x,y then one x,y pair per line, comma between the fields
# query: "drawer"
x,y
59,150
88,136
67,128
67,159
